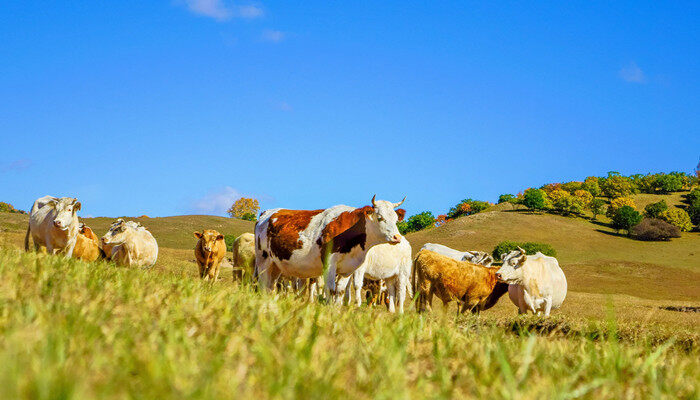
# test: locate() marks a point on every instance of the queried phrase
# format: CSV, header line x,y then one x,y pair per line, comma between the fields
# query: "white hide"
x,y
53,223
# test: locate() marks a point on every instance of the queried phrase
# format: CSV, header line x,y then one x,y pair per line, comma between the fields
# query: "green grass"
x,y
74,330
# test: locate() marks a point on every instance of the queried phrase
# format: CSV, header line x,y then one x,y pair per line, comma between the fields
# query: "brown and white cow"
x,y
300,243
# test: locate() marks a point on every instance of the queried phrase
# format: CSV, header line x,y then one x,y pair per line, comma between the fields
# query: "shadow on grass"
x,y
622,235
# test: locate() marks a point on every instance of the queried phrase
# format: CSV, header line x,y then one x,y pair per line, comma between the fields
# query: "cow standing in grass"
x,y
537,283
53,224
474,286
209,251
299,243
243,256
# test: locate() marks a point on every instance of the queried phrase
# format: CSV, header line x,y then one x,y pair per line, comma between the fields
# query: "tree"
x,y
653,210
667,183
694,211
625,218
505,198
441,220
535,199
9,208
244,206
618,203
571,187
616,185
560,200
591,185
467,207
676,216
416,222
596,207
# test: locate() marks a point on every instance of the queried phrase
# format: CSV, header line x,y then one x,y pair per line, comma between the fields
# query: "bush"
x,y
416,222
619,203
591,185
535,199
506,198
529,247
467,207
667,183
676,216
9,208
654,229
694,195
653,210
625,218
249,217
571,187
229,239
616,185
694,212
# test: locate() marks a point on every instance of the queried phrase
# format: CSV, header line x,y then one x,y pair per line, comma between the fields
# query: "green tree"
x,y
535,199
417,222
596,206
667,183
625,218
467,207
653,210
506,198
591,185
680,218
571,187
616,185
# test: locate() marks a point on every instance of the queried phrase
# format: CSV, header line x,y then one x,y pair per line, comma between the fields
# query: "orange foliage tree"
x,y
244,208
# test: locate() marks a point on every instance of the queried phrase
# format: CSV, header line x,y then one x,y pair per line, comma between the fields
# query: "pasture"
x,y
77,330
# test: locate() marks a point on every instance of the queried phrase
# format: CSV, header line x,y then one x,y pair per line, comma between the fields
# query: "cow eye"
x,y
380,218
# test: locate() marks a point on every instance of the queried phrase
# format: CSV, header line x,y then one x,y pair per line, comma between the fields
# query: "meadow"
x,y
70,329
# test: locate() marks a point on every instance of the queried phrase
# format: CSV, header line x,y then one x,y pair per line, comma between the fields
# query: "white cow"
x,y
129,243
53,223
474,256
391,263
536,282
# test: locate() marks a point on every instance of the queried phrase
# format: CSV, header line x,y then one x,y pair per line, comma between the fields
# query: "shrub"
x,y
529,247
618,203
535,199
467,207
596,206
676,216
654,229
9,208
694,195
694,212
653,210
506,198
229,239
416,222
616,185
667,183
249,216
591,185
625,218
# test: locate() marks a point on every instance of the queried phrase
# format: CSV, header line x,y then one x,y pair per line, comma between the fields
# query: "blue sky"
x,y
174,107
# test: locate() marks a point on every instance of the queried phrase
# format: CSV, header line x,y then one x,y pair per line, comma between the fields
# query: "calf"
x,y
53,224
474,286
244,256
209,251
537,283
87,247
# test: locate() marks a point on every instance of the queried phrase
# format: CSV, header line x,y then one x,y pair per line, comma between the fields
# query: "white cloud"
x,y
270,35
216,202
632,73
220,11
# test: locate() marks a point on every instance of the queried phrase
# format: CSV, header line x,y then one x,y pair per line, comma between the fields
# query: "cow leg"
x,y
330,281
341,288
391,293
402,284
268,275
313,289
359,282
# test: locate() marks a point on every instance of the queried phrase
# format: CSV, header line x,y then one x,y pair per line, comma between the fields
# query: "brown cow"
x,y
209,251
87,245
474,286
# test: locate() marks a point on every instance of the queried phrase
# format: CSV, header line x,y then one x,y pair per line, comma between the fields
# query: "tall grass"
x,y
74,330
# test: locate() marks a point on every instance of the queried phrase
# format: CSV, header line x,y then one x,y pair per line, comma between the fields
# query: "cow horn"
x,y
521,250
374,203
396,205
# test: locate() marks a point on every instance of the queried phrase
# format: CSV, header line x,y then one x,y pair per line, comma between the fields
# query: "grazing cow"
x,y
299,243
537,283
53,224
209,251
129,243
87,245
474,286
244,256
391,263
474,257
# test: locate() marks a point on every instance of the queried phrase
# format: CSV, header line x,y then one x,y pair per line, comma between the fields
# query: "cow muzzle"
x,y
499,277
58,224
396,239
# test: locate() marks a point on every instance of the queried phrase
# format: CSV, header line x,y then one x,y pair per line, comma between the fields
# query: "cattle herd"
x,y
340,249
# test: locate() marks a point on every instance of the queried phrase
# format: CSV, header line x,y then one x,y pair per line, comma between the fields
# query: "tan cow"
x,y
129,243
474,286
209,251
244,257
87,246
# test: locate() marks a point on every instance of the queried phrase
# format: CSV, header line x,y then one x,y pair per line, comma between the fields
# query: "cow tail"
x,y
414,283
26,238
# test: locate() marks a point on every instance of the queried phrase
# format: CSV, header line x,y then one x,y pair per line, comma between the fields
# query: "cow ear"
x,y
503,256
220,237
522,259
76,205
198,235
401,213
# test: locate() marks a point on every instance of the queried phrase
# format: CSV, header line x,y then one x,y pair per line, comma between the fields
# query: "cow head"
x,y
115,234
511,271
208,239
87,232
382,219
66,209
478,257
